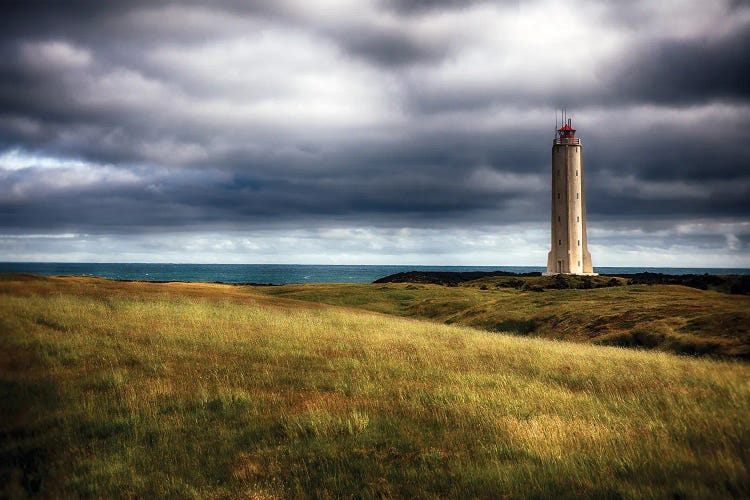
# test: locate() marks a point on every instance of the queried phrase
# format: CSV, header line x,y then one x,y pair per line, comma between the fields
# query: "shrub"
x,y
516,326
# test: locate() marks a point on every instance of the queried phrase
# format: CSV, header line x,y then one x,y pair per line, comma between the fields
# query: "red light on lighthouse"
x,y
566,131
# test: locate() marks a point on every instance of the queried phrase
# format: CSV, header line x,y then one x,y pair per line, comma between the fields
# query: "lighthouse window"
x,y
578,195
558,196
576,173
559,242
578,219
579,262
558,218
579,243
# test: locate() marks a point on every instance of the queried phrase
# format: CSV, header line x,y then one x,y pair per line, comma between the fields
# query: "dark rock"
x,y
448,278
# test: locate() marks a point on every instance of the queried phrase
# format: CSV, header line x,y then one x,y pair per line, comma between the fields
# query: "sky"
x,y
371,132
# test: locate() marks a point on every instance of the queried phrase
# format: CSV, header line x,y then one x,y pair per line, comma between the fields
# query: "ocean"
x,y
280,274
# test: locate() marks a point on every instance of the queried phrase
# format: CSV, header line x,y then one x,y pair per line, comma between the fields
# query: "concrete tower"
x,y
569,253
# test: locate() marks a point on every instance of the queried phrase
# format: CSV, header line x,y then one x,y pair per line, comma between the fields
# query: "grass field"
x,y
666,317
193,390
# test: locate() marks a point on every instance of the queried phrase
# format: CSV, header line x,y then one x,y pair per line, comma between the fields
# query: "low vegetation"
x,y
738,284
598,310
193,390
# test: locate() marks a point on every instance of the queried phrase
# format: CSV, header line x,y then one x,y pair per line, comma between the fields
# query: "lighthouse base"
x,y
571,274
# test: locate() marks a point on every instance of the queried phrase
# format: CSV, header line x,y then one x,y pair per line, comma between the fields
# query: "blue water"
x,y
279,274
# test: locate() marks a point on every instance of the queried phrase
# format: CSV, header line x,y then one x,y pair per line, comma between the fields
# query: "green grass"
x,y
671,318
131,389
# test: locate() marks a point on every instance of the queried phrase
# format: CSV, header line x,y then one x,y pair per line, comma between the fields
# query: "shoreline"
x,y
738,284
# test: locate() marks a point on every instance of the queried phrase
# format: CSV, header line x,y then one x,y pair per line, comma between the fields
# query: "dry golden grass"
x,y
132,389
667,317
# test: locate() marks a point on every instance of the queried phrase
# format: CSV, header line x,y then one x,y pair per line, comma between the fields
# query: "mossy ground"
x,y
135,389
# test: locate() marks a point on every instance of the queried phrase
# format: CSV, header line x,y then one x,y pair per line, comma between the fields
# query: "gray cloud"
x,y
191,117
683,72
422,6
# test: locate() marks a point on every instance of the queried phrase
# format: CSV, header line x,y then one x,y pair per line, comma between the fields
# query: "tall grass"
x,y
675,319
126,396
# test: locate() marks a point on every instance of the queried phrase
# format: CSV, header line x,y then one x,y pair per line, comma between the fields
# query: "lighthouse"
x,y
569,253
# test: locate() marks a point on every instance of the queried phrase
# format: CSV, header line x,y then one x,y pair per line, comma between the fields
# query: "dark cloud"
x,y
93,200
391,47
422,6
397,113
680,72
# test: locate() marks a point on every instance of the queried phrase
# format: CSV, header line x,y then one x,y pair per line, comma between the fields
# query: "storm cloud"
x,y
424,125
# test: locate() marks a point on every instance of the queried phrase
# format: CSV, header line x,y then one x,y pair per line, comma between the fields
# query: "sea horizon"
x,y
281,274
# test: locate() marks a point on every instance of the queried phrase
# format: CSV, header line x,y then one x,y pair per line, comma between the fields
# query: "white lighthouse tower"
x,y
569,253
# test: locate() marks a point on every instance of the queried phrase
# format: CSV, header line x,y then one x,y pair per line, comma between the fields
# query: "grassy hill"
x,y
672,318
135,389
